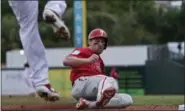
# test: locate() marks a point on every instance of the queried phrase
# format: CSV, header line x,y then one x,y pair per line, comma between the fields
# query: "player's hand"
x,y
93,58
114,74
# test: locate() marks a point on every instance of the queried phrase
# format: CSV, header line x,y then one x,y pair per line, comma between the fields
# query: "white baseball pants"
x,y
26,13
89,87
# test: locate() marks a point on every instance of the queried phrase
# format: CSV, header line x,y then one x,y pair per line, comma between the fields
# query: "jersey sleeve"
x,y
76,53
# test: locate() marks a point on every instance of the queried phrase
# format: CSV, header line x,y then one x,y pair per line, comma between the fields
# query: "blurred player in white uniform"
x,y
26,13
27,78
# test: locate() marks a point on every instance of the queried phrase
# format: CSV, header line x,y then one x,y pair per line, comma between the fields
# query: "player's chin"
x,y
99,51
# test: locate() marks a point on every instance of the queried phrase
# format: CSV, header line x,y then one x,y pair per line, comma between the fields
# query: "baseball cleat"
x,y
106,96
47,93
59,27
82,104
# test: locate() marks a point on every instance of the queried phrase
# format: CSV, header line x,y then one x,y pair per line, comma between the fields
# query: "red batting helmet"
x,y
97,33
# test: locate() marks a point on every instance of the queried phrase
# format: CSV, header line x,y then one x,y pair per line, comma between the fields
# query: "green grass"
x,y
60,81
132,91
138,100
159,99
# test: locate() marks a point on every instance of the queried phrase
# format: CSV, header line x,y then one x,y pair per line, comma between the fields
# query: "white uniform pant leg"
x,y
27,74
120,100
105,83
26,13
58,7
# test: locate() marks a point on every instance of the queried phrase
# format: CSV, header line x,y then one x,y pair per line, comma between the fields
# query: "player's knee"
x,y
112,82
126,100
76,94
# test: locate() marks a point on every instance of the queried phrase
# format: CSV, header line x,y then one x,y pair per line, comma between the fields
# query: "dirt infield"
x,y
65,104
72,107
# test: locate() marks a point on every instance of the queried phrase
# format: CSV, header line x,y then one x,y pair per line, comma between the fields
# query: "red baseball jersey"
x,y
96,68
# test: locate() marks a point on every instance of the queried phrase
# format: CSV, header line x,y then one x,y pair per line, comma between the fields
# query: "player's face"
x,y
97,45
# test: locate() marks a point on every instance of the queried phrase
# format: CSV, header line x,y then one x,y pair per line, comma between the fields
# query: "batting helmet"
x,y
98,33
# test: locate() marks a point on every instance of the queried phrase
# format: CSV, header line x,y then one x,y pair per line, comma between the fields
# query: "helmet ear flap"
x,y
106,42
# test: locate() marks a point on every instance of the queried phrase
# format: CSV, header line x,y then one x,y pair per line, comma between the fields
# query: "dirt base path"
x,y
72,107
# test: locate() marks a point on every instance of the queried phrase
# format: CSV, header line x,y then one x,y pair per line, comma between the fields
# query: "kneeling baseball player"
x,y
91,87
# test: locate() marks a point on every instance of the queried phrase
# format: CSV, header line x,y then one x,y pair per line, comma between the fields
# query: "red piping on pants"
x,y
103,85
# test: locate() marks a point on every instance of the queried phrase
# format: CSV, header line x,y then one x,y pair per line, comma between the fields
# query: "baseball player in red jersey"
x,y
91,87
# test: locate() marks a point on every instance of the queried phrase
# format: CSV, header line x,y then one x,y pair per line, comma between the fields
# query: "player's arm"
x,y
74,61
